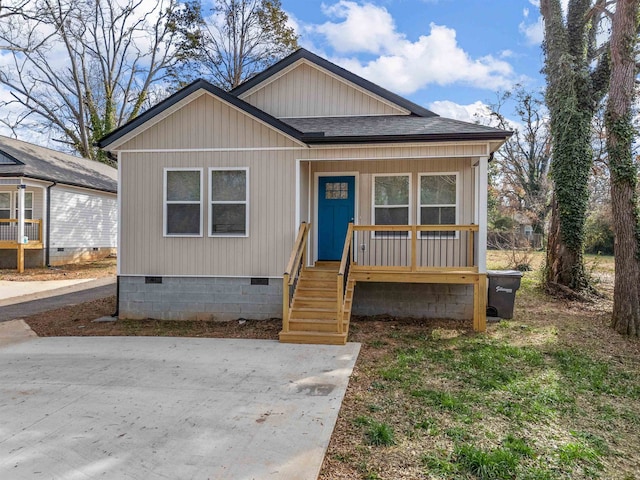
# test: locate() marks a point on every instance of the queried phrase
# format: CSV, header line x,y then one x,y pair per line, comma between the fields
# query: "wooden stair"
x,y
312,317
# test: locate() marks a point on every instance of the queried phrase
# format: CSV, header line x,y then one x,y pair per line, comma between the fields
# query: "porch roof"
x,y
23,159
391,128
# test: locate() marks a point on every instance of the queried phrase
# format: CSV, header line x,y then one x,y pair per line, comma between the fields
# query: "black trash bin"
x,y
503,285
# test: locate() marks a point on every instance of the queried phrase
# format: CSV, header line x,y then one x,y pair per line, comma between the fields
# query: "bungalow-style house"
x,y
54,208
306,193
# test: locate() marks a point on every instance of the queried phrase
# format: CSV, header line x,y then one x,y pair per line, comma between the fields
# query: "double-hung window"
x,y
438,201
391,200
183,202
5,204
28,205
229,202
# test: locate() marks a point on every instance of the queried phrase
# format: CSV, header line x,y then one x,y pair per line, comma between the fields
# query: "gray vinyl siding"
x,y
83,218
308,91
272,200
271,217
207,122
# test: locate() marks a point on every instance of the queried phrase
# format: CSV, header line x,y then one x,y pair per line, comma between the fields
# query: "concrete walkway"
x,y
168,408
21,299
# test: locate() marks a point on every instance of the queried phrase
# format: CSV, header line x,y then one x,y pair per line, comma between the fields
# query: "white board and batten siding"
x,y
81,218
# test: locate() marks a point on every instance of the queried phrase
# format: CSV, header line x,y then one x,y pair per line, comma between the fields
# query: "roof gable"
x,y
6,159
283,69
181,98
206,122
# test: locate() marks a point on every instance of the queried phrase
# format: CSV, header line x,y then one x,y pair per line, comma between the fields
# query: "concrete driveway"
x,y
148,408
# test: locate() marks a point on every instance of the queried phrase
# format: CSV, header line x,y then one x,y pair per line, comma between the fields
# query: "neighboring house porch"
x,y
54,208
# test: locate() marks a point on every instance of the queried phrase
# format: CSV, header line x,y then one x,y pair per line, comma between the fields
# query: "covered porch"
x,y
410,220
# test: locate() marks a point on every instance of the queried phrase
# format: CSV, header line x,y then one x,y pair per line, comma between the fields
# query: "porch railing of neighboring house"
x,y
297,263
414,248
9,230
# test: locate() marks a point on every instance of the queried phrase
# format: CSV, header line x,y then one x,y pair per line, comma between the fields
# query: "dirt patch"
x,y
79,320
105,267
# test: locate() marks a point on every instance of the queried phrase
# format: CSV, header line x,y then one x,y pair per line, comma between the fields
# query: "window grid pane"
x,y
391,190
228,218
183,186
336,191
183,202
228,185
183,219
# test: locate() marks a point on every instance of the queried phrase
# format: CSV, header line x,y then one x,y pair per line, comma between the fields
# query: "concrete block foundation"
x,y
199,298
414,300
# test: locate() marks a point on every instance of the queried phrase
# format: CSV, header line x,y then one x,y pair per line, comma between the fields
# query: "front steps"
x,y
312,318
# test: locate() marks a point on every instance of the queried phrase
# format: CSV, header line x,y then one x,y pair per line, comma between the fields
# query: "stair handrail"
x,y
343,272
297,263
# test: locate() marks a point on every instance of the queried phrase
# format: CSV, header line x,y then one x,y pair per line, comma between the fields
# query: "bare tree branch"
x,y
85,67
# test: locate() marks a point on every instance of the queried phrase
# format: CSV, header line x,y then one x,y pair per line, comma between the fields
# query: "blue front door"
x,y
336,207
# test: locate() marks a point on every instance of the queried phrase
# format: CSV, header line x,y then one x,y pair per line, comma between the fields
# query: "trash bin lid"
x,y
504,273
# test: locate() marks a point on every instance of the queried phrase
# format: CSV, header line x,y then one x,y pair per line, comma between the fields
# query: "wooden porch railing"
x,y
9,230
413,248
297,263
343,278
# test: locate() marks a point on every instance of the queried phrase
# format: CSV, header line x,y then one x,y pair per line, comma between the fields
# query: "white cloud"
x,y
401,65
474,112
533,32
364,28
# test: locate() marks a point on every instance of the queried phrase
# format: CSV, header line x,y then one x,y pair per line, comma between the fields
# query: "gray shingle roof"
x,y
43,163
384,127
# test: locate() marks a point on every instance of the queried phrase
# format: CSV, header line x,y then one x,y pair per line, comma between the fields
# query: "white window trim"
x,y
235,202
373,200
165,202
457,204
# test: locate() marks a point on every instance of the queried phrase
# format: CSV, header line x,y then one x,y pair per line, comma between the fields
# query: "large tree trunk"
x,y
571,98
626,297
564,266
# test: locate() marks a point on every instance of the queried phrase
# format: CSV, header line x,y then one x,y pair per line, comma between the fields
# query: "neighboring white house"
x,y
54,208
218,191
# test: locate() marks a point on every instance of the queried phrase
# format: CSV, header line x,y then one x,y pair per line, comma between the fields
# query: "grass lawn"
x,y
551,394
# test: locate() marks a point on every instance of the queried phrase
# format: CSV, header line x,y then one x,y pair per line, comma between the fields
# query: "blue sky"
x,y
448,55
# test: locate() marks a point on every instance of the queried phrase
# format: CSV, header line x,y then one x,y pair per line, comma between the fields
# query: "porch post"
x,y
20,239
482,196
480,287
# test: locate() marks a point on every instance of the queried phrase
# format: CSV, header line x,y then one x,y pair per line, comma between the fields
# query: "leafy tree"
x,y
240,38
624,171
81,68
522,164
577,74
